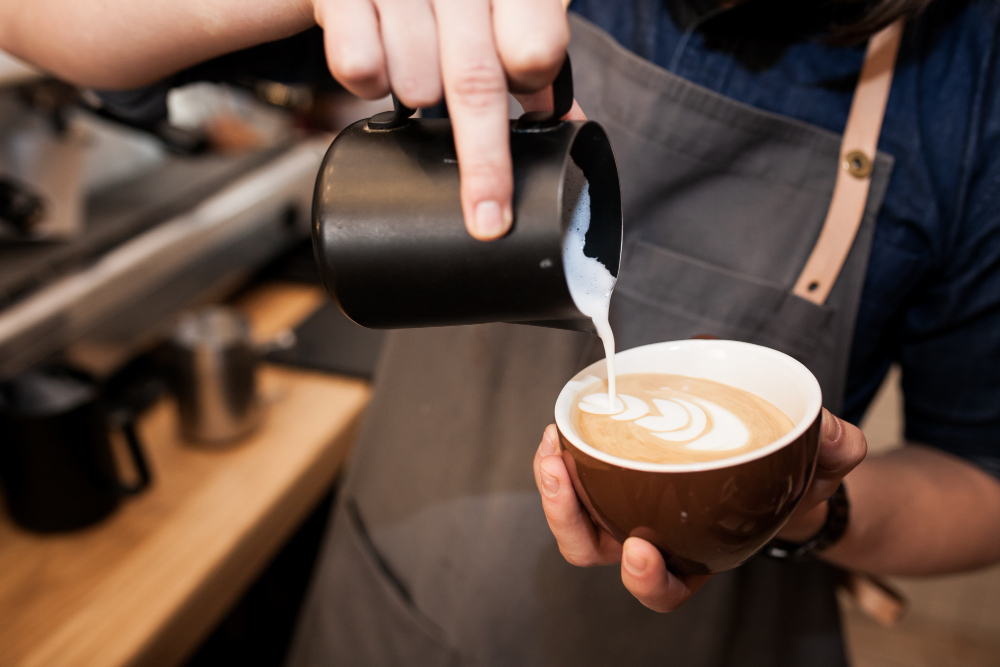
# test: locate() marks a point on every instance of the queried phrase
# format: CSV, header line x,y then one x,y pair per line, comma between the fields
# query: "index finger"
x,y
476,91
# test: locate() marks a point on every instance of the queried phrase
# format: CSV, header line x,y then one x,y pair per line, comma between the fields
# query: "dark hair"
x,y
854,21
778,23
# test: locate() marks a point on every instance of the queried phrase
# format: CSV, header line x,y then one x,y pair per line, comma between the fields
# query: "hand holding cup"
x,y
644,573
675,519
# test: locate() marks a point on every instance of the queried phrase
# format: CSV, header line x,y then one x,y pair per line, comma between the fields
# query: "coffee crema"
x,y
663,418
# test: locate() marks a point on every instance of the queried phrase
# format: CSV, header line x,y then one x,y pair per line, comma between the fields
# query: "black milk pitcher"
x,y
56,465
390,240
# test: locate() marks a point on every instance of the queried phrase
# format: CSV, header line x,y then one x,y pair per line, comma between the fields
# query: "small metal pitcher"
x,y
213,364
391,243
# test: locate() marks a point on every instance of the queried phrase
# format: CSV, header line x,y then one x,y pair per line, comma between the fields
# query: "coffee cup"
x,y
707,516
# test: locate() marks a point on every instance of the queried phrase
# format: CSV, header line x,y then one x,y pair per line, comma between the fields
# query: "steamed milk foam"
x,y
676,419
590,282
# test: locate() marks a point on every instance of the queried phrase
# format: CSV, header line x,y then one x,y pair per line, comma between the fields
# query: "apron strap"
x,y
857,155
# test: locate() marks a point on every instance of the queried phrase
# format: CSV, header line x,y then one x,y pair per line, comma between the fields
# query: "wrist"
x,y
830,532
803,525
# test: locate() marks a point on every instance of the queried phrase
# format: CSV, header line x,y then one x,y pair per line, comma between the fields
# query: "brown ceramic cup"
x,y
711,516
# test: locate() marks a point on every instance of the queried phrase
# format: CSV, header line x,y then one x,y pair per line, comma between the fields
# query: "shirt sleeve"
x,y
292,60
949,335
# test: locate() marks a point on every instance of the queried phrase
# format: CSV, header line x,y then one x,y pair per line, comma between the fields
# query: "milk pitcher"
x,y
390,240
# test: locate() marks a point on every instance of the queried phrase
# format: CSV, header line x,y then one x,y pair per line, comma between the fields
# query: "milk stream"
x,y
590,282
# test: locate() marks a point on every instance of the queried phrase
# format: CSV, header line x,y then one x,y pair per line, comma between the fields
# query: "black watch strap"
x,y
838,511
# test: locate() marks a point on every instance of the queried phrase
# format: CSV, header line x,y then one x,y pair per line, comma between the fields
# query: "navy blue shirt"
x,y
931,300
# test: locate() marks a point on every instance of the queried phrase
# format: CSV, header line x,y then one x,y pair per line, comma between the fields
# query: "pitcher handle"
x,y
125,420
387,120
562,102
562,98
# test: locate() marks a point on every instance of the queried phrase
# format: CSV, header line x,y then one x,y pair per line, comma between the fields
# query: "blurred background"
x,y
177,393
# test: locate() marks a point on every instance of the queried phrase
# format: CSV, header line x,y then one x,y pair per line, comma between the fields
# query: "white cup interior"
x,y
772,375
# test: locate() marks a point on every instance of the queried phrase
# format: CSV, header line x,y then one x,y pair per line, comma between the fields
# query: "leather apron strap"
x,y
857,155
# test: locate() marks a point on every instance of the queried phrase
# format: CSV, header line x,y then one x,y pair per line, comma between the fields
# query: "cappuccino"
x,y
662,418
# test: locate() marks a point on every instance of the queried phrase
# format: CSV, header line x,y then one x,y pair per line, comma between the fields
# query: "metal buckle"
x,y
857,164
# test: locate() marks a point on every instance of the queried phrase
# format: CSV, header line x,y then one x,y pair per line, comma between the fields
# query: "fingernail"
x,y
549,445
489,219
634,563
831,427
550,484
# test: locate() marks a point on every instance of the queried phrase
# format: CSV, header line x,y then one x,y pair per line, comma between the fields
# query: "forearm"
x,y
128,43
918,511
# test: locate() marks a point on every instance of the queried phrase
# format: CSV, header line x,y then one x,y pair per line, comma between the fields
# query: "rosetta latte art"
x,y
696,423
672,418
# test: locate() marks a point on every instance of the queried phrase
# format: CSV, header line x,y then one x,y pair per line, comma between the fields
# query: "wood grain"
x,y
145,586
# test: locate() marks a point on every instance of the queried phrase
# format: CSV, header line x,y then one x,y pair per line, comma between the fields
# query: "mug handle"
x,y
125,421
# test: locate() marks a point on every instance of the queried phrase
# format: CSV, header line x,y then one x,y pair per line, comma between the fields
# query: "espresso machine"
x,y
110,229
40,155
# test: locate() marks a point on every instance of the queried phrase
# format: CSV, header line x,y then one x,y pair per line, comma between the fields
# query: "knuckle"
x,y
483,178
650,598
538,56
487,171
478,84
354,67
416,92
664,601
573,557
557,522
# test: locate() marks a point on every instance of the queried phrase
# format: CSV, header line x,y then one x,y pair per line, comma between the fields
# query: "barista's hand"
x,y
583,543
842,447
472,50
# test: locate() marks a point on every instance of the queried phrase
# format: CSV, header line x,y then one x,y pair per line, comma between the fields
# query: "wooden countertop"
x,y
146,585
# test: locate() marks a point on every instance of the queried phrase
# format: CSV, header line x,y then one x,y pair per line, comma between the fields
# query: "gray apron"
x,y
439,553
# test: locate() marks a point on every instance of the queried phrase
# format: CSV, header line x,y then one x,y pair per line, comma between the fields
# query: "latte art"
x,y
673,419
695,423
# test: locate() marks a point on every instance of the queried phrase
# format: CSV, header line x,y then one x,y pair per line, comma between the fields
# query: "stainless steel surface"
x,y
48,159
214,369
134,291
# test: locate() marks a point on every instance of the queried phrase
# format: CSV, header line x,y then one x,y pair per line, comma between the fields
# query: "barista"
x,y
726,123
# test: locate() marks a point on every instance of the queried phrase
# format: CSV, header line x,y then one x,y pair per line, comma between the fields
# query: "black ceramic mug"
x,y
391,242
56,465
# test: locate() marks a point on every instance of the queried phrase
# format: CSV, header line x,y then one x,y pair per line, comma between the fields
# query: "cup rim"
x,y
810,385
